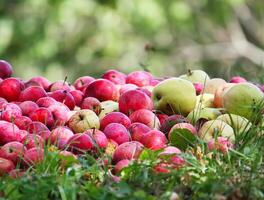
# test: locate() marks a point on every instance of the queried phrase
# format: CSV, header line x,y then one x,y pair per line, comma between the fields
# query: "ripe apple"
x,y
129,102
46,102
237,79
218,96
127,150
42,81
32,93
99,138
138,131
154,140
64,97
221,144
59,85
108,107
81,142
34,156
91,103
205,101
241,99
203,113
198,88
115,117
117,132
22,122
43,115
115,76
13,151
121,165
8,132
60,136
83,120
196,76
146,117
6,165
212,85
32,141
6,69
139,78
10,111
181,101
162,118
77,96
126,87
27,107
171,121
60,113
67,158
11,88
82,82
36,127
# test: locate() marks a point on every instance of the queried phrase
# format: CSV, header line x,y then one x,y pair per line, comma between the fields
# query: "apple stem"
x,y
189,72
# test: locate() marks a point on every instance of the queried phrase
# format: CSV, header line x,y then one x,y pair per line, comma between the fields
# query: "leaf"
x,y
182,138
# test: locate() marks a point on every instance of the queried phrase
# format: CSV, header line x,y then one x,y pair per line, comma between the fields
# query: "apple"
x,y
129,102
82,82
103,90
181,101
108,107
60,136
145,90
139,78
22,122
203,113
42,81
154,82
83,120
154,140
196,76
162,118
126,87
91,103
13,151
10,111
59,85
145,117
121,165
237,79
117,132
186,126
171,121
28,107
198,88
218,96
67,158
115,117
8,132
127,150
46,102
43,115
16,173
11,88
111,147
241,99
211,85
77,96
32,93
36,127
32,141
81,142
60,113
205,101
138,131
218,128
34,156
64,97
221,144
99,138
115,76
5,165
6,69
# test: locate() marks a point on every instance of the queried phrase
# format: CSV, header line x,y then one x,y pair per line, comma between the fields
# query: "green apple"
x,y
174,96
205,101
241,98
212,85
216,128
196,76
107,107
203,113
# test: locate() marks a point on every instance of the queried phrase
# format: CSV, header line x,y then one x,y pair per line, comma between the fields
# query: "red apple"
x,y
145,117
6,69
171,121
81,142
60,113
126,87
220,144
146,91
127,150
32,93
238,79
103,90
34,156
91,103
78,97
115,76
134,100
11,88
13,151
64,97
186,126
6,166
198,88
21,134
42,115
46,102
37,127
139,78
59,85
99,138
154,82
138,130
162,118
32,141
60,136
10,111
154,140
28,107
117,132
42,81
115,117
8,132
121,165
22,122
82,82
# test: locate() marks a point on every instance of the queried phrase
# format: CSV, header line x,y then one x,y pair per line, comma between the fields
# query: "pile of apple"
x,y
120,115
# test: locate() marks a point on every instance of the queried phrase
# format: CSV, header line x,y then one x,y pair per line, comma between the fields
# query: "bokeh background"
x,y
58,38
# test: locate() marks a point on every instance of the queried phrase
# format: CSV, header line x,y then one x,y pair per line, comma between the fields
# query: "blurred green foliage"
x,y
56,38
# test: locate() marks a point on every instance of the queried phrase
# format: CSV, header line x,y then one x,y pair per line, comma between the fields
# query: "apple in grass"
x,y
43,115
6,69
198,88
80,143
162,118
138,131
117,132
32,93
154,140
121,165
196,76
211,86
6,166
42,81
8,132
11,88
60,136
35,127
34,156
99,137
22,122
128,150
64,97
205,100
218,96
115,117
82,82
32,141
103,90
181,101
221,144
77,96
46,102
83,120
139,78
13,151
92,103
59,85
237,79
108,107
27,107
60,113
171,121
10,111
134,100
203,114
146,117
126,87
115,76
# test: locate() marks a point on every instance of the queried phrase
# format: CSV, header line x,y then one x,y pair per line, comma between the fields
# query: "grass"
x,y
236,175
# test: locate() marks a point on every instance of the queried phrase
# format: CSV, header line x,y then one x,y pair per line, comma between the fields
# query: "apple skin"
x,y
187,126
198,88
138,130
36,127
115,76
108,107
11,88
221,144
196,76
60,136
60,114
42,81
171,121
99,138
129,102
103,90
117,132
32,93
145,90
80,142
218,96
34,156
181,101
22,122
128,150
59,85
154,82
8,132
6,69
139,78
204,101
162,118
115,117
126,87
13,151
212,85
27,107
121,165
33,141
82,82
6,166
64,97
91,103
83,120
237,79
43,115
154,140
46,102
145,117
240,98
10,111
203,114
77,96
